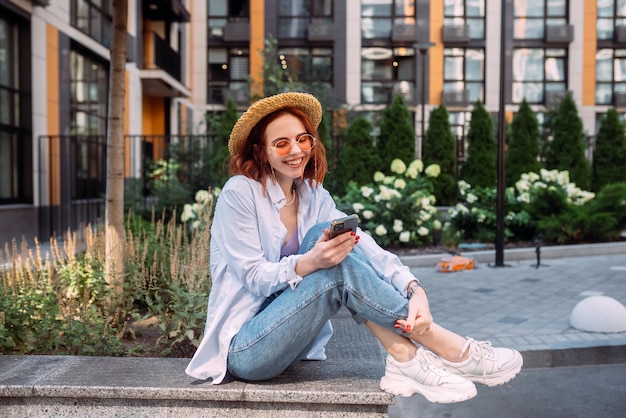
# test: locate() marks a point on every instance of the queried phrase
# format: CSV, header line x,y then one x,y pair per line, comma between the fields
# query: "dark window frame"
x,y
546,17
453,18
88,161
300,20
464,80
564,57
16,124
103,30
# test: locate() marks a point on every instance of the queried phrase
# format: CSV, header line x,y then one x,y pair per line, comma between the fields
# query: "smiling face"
x,y
291,166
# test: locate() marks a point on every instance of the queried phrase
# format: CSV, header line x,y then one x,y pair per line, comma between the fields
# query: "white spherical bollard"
x,y
599,314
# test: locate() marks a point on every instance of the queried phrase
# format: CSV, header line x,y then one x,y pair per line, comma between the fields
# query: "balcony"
x,y
554,98
619,36
237,31
559,34
165,11
456,33
456,98
321,31
404,33
161,74
619,99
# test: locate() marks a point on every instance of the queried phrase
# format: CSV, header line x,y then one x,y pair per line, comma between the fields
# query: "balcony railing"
x,y
164,56
456,33
559,34
237,31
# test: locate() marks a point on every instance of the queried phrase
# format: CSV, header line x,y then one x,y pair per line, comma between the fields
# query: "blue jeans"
x,y
280,334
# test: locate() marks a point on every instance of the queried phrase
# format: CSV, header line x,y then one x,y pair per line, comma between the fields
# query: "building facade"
x,y
187,57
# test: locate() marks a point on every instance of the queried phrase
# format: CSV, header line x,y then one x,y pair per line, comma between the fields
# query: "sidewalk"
x,y
522,306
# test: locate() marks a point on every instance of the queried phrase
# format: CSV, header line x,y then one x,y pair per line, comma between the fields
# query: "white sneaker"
x,y
426,375
487,365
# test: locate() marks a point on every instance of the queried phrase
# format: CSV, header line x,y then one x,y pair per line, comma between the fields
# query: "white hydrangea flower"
x,y
424,216
405,236
411,173
433,170
366,191
368,214
188,213
532,176
416,165
461,208
398,166
397,226
385,193
379,176
471,198
389,179
380,230
422,231
463,187
202,196
524,198
437,224
522,185
563,177
357,207
399,184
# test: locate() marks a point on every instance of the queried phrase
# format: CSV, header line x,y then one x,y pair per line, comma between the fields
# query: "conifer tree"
x,y
479,169
440,148
397,135
523,150
566,151
609,155
358,159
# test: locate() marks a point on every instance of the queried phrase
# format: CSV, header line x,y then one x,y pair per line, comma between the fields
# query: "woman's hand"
x,y
327,252
419,318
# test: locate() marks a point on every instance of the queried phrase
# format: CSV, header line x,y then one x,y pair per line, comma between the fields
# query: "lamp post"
x,y
423,48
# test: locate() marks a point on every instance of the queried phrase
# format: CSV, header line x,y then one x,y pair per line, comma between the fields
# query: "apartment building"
x,y
186,57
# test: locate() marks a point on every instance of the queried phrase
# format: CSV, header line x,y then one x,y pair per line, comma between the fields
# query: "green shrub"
x,y
440,148
609,155
397,135
523,148
398,209
480,168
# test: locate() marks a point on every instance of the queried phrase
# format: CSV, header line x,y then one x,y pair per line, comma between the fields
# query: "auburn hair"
x,y
252,161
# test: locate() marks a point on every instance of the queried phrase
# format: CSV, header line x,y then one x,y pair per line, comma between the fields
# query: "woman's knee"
x,y
312,235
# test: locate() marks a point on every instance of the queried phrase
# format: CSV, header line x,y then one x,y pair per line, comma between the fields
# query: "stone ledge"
x,y
47,386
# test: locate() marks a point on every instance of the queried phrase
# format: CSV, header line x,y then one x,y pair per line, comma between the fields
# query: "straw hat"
x,y
263,107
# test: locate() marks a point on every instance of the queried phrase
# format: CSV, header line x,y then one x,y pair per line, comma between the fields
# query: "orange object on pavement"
x,y
454,263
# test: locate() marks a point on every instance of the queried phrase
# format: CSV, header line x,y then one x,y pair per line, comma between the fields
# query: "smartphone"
x,y
341,225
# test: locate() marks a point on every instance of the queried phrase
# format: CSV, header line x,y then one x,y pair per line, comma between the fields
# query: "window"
x,y
387,72
538,72
294,16
93,17
15,111
611,14
464,70
610,75
532,16
379,16
88,113
221,12
308,65
229,69
466,12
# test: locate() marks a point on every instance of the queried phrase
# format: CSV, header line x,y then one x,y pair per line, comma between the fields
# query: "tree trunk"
x,y
114,213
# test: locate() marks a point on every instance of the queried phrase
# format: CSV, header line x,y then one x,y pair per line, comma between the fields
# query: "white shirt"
x,y
246,238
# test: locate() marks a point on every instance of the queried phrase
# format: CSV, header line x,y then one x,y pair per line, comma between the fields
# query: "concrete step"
x,y
345,385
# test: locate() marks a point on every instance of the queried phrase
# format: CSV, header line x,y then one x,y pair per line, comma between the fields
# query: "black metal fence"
x,y
72,174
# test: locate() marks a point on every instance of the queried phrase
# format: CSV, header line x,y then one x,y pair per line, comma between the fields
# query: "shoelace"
x,y
428,359
478,350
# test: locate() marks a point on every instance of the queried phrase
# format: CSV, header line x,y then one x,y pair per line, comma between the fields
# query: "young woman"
x,y
277,278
